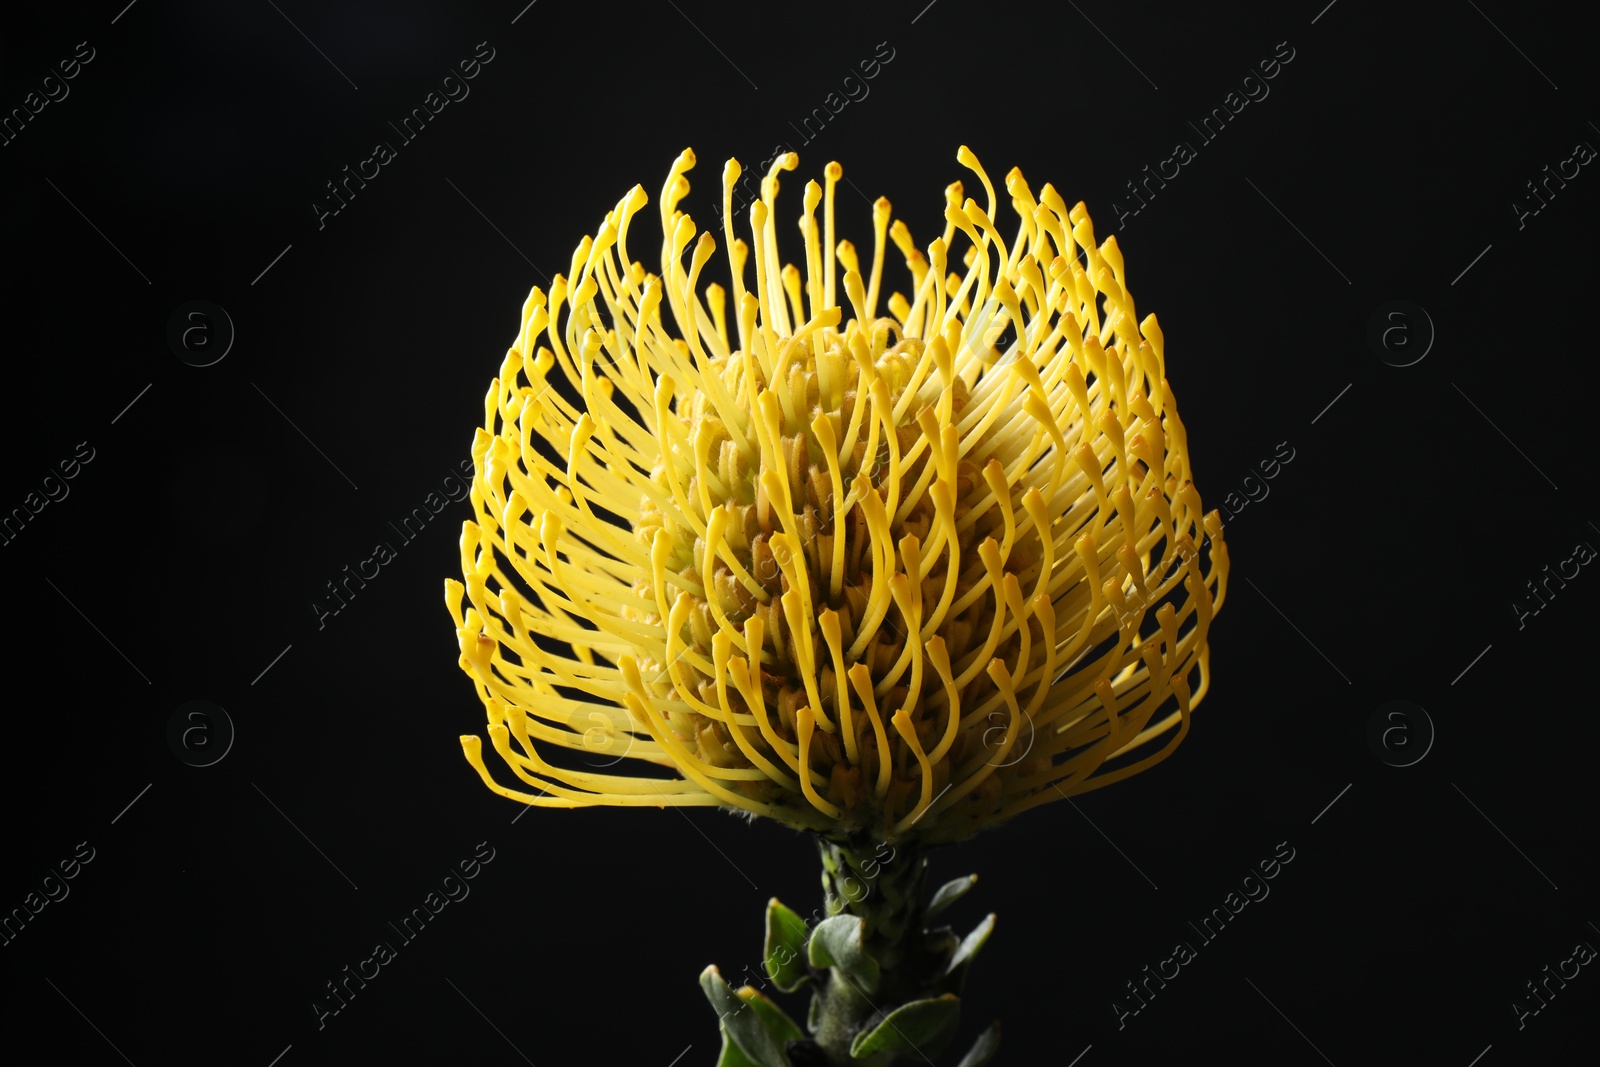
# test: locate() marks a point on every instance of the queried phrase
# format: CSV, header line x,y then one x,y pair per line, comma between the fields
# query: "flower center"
x,y
789,532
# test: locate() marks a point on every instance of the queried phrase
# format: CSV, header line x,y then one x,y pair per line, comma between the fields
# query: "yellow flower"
x,y
901,575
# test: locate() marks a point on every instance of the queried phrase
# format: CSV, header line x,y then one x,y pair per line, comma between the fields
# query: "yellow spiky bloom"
x,y
866,575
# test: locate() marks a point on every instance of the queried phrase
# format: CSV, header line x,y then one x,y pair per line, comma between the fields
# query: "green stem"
x,y
881,884
884,886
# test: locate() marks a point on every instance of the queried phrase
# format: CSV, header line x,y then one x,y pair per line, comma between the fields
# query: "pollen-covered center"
x,y
809,560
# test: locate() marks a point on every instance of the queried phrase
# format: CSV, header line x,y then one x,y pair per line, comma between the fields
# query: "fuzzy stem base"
x,y
884,886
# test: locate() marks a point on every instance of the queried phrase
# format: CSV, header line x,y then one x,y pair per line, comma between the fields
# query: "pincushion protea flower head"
x,y
868,575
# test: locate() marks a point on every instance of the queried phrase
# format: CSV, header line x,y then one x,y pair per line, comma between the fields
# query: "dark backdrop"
x,y
1386,561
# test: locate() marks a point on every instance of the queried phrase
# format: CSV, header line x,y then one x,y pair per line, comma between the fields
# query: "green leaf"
x,y
776,1020
983,1049
922,1026
731,1056
785,947
837,942
970,945
743,1032
949,893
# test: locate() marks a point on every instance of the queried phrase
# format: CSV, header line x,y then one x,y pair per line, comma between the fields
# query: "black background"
x,y
187,555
